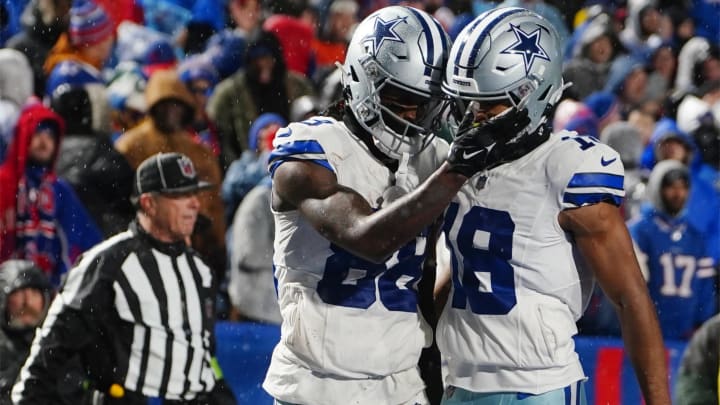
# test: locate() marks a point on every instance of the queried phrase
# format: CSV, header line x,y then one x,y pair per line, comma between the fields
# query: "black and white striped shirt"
x,y
139,312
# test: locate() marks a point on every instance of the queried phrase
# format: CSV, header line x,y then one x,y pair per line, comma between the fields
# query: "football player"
x,y
529,237
353,193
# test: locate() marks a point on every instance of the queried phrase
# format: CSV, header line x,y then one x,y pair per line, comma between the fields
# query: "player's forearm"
x,y
643,341
388,229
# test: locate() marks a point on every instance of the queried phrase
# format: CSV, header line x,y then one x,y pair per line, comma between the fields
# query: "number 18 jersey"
x,y
351,331
518,284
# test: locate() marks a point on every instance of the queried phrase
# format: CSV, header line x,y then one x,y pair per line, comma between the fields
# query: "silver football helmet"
x,y
507,54
397,52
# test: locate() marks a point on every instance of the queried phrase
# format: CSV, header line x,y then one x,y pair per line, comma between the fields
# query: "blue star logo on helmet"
x,y
527,45
384,30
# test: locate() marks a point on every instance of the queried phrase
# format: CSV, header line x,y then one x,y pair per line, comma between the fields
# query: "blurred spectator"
x,y
246,172
264,86
43,22
226,51
295,36
159,55
332,42
303,108
703,206
167,16
697,380
89,39
663,64
208,17
126,97
696,119
245,15
673,255
644,122
71,73
331,89
705,14
646,28
200,77
25,295
627,80
604,107
171,111
574,115
627,141
87,160
42,218
16,87
698,62
588,67
10,18
135,43
667,142
123,10
251,287
588,117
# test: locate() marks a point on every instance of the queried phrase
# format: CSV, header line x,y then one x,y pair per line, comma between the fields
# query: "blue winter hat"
x,y
261,122
71,73
198,67
159,55
601,103
226,50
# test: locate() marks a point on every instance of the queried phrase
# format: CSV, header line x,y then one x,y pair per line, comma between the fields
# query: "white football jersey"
x,y
518,284
351,330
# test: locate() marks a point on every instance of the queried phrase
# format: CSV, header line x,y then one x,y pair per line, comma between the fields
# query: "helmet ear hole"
x,y
353,74
544,94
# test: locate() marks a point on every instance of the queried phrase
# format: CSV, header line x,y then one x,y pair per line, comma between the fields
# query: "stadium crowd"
x,y
89,89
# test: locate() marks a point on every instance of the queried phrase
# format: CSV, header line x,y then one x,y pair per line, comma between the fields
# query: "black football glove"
x,y
482,147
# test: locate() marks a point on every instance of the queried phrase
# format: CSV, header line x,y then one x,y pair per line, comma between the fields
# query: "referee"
x,y
138,308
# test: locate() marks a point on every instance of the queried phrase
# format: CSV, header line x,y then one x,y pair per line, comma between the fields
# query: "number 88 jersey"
x,y
518,286
351,329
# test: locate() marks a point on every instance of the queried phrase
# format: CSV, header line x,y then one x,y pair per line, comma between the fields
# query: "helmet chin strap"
x,y
367,138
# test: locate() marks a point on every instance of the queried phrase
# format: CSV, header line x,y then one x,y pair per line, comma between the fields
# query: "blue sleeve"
x,y
291,148
79,228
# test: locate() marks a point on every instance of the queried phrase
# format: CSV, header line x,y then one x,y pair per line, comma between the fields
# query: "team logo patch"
x,y
186,167
527,45
385,30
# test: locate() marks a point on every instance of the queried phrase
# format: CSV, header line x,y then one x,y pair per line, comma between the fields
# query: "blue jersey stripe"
x,y
485,32
295,148
607,180
428,40
276,163
581,199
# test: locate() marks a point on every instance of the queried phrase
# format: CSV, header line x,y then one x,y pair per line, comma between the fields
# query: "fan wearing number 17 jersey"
x,y
679,271
347,289
529,237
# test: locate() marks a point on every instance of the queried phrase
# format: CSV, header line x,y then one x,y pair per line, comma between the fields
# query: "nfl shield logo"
x,y
186,167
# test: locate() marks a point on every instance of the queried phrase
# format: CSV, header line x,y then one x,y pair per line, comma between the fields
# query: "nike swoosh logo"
x,y
606,162
470,155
